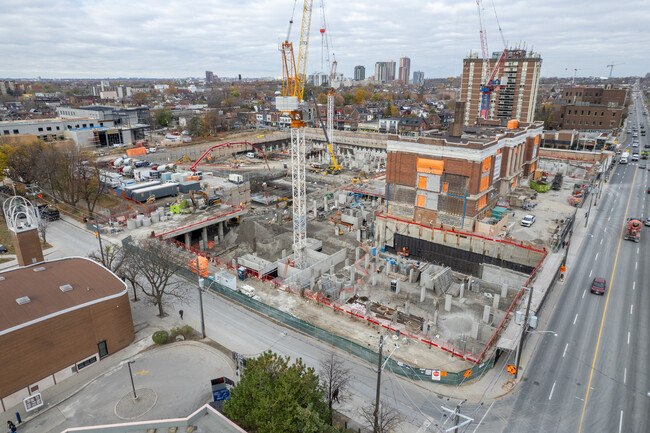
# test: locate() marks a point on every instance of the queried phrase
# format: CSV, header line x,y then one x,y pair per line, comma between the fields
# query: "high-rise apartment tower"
x,y
359,73
404,69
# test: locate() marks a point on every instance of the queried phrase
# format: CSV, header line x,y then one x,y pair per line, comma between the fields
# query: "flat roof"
x,y
89,283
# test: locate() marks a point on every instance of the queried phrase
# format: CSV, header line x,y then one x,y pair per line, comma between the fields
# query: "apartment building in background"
x,y
359,73
589,108
517,97
404,69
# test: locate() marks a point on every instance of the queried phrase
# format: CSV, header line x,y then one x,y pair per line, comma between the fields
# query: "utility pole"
x,y
589,210
376,414
135,397
457,419
523,331
198,273
99,238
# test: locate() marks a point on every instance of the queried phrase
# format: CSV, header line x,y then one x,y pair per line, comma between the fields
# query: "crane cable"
x,y
293,12
505,46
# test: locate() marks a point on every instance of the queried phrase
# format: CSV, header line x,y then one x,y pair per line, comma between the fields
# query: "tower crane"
x,y
489,77
611,68
334,167
293,86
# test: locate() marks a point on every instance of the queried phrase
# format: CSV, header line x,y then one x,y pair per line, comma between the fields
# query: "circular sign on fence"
x,y
435,375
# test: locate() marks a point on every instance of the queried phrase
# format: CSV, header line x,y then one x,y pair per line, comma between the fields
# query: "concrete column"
x,y
495,302
332,270
486,314
425,327
188,240
504,290
284,254
347,262
423,292
352,273
406,307
387,267
204,236
325,204
462,291
315,210
374,278
411,275
447,303
475,330
358,235
220,228
397,286
356,254
216,239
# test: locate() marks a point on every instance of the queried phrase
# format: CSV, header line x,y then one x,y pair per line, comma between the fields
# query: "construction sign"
x,y
467,374
511,369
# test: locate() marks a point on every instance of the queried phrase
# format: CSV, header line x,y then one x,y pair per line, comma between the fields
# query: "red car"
x,y
598,286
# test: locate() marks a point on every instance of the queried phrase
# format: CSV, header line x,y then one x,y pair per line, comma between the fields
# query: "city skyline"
x,y
85,39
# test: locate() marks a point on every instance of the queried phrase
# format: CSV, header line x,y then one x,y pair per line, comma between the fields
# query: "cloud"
x,y
173,38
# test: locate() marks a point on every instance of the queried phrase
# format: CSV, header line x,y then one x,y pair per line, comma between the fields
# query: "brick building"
x,y
590,108
456,180
516,100
57,317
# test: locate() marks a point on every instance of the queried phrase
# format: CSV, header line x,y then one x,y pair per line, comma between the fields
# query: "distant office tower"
x,y
404,69
390,70
209,77
359,73
418,78
380,72
519,75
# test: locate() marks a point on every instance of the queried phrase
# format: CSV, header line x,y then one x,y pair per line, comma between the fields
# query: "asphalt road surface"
x,y
593,376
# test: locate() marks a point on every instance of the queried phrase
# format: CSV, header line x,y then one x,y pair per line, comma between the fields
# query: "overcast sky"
x,y
177,39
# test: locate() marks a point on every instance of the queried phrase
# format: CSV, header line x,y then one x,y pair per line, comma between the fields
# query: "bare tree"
x,y
156,266
42,221
335,379
90,184
388,418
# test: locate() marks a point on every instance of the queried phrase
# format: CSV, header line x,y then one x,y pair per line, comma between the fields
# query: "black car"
x,y
49,213
3,249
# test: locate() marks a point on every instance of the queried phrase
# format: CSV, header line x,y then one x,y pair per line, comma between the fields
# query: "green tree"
x,y
376,97
348,98
235,92
274,395
360,96
163,116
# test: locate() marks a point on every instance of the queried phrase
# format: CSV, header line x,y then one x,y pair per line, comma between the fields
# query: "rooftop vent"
x,y
24,300
39,269
65,288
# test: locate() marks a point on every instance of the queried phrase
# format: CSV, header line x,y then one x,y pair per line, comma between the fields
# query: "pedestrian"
x,y
180,312
11,426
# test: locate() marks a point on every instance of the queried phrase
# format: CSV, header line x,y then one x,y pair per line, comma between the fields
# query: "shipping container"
x,y
191,185
236,178
128,190
159,191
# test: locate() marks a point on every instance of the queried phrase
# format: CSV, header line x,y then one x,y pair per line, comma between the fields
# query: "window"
x,y
16,131
40,129
86,363
103,350
49,128
92,124
602,113
582,112
579,122
600,123
593,122
588,112
568,112
57,128
83,125
6,132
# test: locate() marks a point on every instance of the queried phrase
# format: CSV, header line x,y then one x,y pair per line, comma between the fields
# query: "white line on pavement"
x,y
620,423
637,250
631,308
601,241
628,337
565,348
576,318
636,266
596,258
550,396
633,285
584,293
590,273
624,375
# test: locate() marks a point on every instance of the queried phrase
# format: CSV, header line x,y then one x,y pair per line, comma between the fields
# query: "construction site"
x,y
369,234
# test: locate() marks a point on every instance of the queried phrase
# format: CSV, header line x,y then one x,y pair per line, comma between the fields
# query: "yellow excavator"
x,y
359,177
183,159
209,201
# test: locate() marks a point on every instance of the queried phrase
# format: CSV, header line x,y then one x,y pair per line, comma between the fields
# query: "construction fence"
x,y
432,375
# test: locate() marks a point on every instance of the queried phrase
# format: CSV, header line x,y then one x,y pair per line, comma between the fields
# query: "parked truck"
x,y
624,157
633,229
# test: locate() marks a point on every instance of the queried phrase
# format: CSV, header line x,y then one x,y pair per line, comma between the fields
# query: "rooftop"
x,y
44,290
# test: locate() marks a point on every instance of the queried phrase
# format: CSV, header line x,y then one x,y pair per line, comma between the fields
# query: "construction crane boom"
x,y
210,149
304,47
611,68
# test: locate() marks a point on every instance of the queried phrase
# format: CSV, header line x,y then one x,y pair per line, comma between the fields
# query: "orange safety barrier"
x,y
138,151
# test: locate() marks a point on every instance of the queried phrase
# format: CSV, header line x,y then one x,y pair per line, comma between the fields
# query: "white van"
x,y
250,155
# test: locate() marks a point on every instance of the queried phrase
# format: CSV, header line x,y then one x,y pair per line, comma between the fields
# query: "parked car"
x,y
49,213
3,249
598,286
528,220
647,222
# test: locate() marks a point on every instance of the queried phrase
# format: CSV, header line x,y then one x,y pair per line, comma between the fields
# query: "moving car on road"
x,y
598,286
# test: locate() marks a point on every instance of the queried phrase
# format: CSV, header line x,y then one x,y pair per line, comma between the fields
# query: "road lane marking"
x,y
633,285
628,337
550,396
565,348
605,231
631,308
584,293
609,218
620,423
637,250
636,266
602,320
590,273
601,241
596,258
576,318
624,375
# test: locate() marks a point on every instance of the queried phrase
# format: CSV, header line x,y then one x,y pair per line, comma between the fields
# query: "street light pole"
x,y
376,414
135,397
198,273
523,331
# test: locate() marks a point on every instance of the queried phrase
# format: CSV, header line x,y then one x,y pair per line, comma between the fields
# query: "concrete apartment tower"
x,y
22,221
404,69
520,72
390,70
359,73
